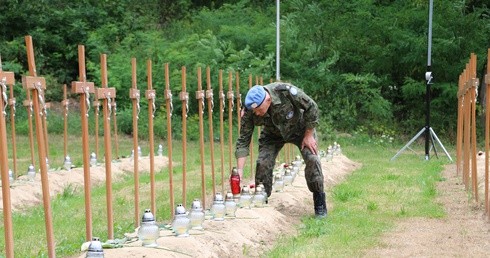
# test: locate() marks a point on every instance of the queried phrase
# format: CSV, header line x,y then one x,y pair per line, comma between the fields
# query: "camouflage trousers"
x,y
269,147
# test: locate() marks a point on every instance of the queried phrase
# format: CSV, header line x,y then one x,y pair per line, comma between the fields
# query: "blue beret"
x,y
255,97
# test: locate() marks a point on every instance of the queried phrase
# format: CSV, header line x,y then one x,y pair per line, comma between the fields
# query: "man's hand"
x,y
309,141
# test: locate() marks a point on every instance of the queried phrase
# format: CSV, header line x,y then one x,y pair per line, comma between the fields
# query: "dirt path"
x,y
464,232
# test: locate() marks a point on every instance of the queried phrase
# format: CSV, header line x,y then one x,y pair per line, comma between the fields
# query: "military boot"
x,y
320,204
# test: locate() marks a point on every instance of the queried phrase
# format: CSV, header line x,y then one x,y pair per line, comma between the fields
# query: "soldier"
x,y
287,115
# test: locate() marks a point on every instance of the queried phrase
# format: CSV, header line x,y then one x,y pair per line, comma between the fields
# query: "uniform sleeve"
x,y
246,131
311,113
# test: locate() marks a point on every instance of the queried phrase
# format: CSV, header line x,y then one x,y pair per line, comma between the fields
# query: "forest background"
x,y
362,61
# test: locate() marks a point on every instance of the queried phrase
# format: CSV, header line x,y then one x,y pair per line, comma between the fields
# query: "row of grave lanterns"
x,y
68,165
221,209
331,151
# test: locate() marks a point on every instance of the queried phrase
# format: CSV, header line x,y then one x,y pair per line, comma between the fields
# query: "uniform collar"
x,y
275,99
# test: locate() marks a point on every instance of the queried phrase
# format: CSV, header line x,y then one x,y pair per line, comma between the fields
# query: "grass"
x,y
369,202
68,206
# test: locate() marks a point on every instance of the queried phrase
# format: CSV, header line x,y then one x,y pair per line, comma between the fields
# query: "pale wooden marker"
x,y
474,85
107,95
151,96
11,103
200,107
6,78
134,95
209,97
251,148
487,140
47,106
96,105
169,107
114,120
65,103
36,85
28,104
184,97
230,119
238,96
221,128
84,88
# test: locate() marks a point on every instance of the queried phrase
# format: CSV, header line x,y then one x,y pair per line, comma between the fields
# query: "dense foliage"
x,y
363,61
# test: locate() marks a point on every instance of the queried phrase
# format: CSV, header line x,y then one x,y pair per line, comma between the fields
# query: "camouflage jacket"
x,y
289,115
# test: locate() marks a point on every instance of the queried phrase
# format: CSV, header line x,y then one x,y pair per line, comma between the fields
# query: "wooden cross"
x,y
209,97
6,78
231,98
84,88
151,96
134,95
28,104
184,97
96,105
200,96
9,80
221,128
107,95
169,108
36,85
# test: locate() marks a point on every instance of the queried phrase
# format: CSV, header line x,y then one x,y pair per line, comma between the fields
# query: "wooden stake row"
x,y
466,145
105,96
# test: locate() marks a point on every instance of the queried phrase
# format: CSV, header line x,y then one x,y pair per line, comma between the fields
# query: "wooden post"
x,y
221,128
251,148
184,97
12,130
200,106
6,78
96,111
230,120
238,102
466,130
114,119
459,132
169,107
11,103
474,85
487,135
134,95
45,127
65,122
28,104
209,97
151,96
257,82
107,95
37,85
84,88
487,141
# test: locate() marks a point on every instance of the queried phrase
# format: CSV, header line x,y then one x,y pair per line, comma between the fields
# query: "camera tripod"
x,y
430,135
433,137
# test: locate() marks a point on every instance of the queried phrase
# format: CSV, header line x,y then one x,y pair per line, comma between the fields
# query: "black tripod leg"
x,y
432,140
